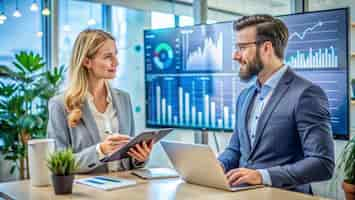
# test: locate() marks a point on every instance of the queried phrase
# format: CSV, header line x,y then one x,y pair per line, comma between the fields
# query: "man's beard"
x,y
252,69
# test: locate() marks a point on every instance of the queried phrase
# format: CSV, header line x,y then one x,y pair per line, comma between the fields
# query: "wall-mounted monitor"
x,y
192,81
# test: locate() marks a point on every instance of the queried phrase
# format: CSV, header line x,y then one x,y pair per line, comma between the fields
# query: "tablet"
x,y
144,136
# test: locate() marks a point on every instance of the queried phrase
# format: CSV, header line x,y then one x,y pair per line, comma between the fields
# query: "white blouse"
x,y
105,122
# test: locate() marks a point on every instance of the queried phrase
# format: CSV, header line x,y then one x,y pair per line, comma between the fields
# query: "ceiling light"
x,y
46,12
34,6
3,16
17,13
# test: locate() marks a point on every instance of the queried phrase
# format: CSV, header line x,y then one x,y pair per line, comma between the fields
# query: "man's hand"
x,y
242,175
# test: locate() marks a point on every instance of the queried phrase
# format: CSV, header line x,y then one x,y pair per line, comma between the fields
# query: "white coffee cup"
x,y
38,152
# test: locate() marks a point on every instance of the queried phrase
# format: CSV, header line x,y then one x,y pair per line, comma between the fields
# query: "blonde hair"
x,y
86,45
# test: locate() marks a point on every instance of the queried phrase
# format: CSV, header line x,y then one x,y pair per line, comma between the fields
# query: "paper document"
x,y
105,183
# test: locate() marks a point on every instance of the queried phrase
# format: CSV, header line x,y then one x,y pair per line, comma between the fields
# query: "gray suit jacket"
x,y
85,136
293,137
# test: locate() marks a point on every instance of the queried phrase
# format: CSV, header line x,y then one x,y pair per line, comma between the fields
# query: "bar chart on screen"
x,y
321,58
198,101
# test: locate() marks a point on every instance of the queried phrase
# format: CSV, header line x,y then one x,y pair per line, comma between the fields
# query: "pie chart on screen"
x,y
163,56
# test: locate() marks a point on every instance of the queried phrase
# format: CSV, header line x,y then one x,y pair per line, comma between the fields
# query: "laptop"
x,y
197,164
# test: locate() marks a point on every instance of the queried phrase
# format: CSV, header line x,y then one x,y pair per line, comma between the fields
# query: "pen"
x,y
107,179
95,182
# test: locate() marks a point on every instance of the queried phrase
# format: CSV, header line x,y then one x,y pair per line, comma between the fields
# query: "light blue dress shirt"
x,y
261,98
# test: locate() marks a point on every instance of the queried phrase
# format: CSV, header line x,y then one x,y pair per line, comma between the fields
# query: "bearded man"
x,y
282,137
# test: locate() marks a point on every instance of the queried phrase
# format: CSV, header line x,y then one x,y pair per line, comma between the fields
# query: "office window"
x,y
162,20
19,33
227,10
331,4
186,21
166,20
75,16
127,28
273,7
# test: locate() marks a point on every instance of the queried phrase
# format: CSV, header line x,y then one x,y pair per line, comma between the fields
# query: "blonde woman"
x,y
91,117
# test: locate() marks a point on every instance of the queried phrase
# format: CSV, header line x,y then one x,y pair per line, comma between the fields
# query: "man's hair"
x,y
268,28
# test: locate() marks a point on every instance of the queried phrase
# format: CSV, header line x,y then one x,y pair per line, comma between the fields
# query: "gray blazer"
x,y
293,137
85,136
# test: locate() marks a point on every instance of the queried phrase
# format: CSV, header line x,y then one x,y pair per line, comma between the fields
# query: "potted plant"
x,y
25,89
62,164
347,165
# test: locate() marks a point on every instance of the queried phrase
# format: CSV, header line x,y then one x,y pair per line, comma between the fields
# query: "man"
x,y
282,136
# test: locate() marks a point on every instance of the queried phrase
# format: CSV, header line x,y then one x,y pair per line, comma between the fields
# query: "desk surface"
x,y
164,189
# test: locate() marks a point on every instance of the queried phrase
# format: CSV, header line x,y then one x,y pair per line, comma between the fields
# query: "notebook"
x,y
105,183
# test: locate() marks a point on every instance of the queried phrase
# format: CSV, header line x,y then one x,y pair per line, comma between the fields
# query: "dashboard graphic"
x,y
192,80
196,86
315,43
318,51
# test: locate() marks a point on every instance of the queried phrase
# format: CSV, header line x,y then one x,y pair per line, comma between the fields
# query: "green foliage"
x,y
347,162
25,89
62,163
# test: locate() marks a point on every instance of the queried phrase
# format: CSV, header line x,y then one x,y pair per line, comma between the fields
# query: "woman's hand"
x,y
113,142
141,151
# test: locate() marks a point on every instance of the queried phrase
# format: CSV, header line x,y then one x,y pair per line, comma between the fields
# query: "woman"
x,y
91,117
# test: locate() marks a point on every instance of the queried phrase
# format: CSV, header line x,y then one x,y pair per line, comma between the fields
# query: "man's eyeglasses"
x,y
244,45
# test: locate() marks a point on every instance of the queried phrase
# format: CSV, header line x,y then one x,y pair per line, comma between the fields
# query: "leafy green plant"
x,y
25,89
347,162
62,163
